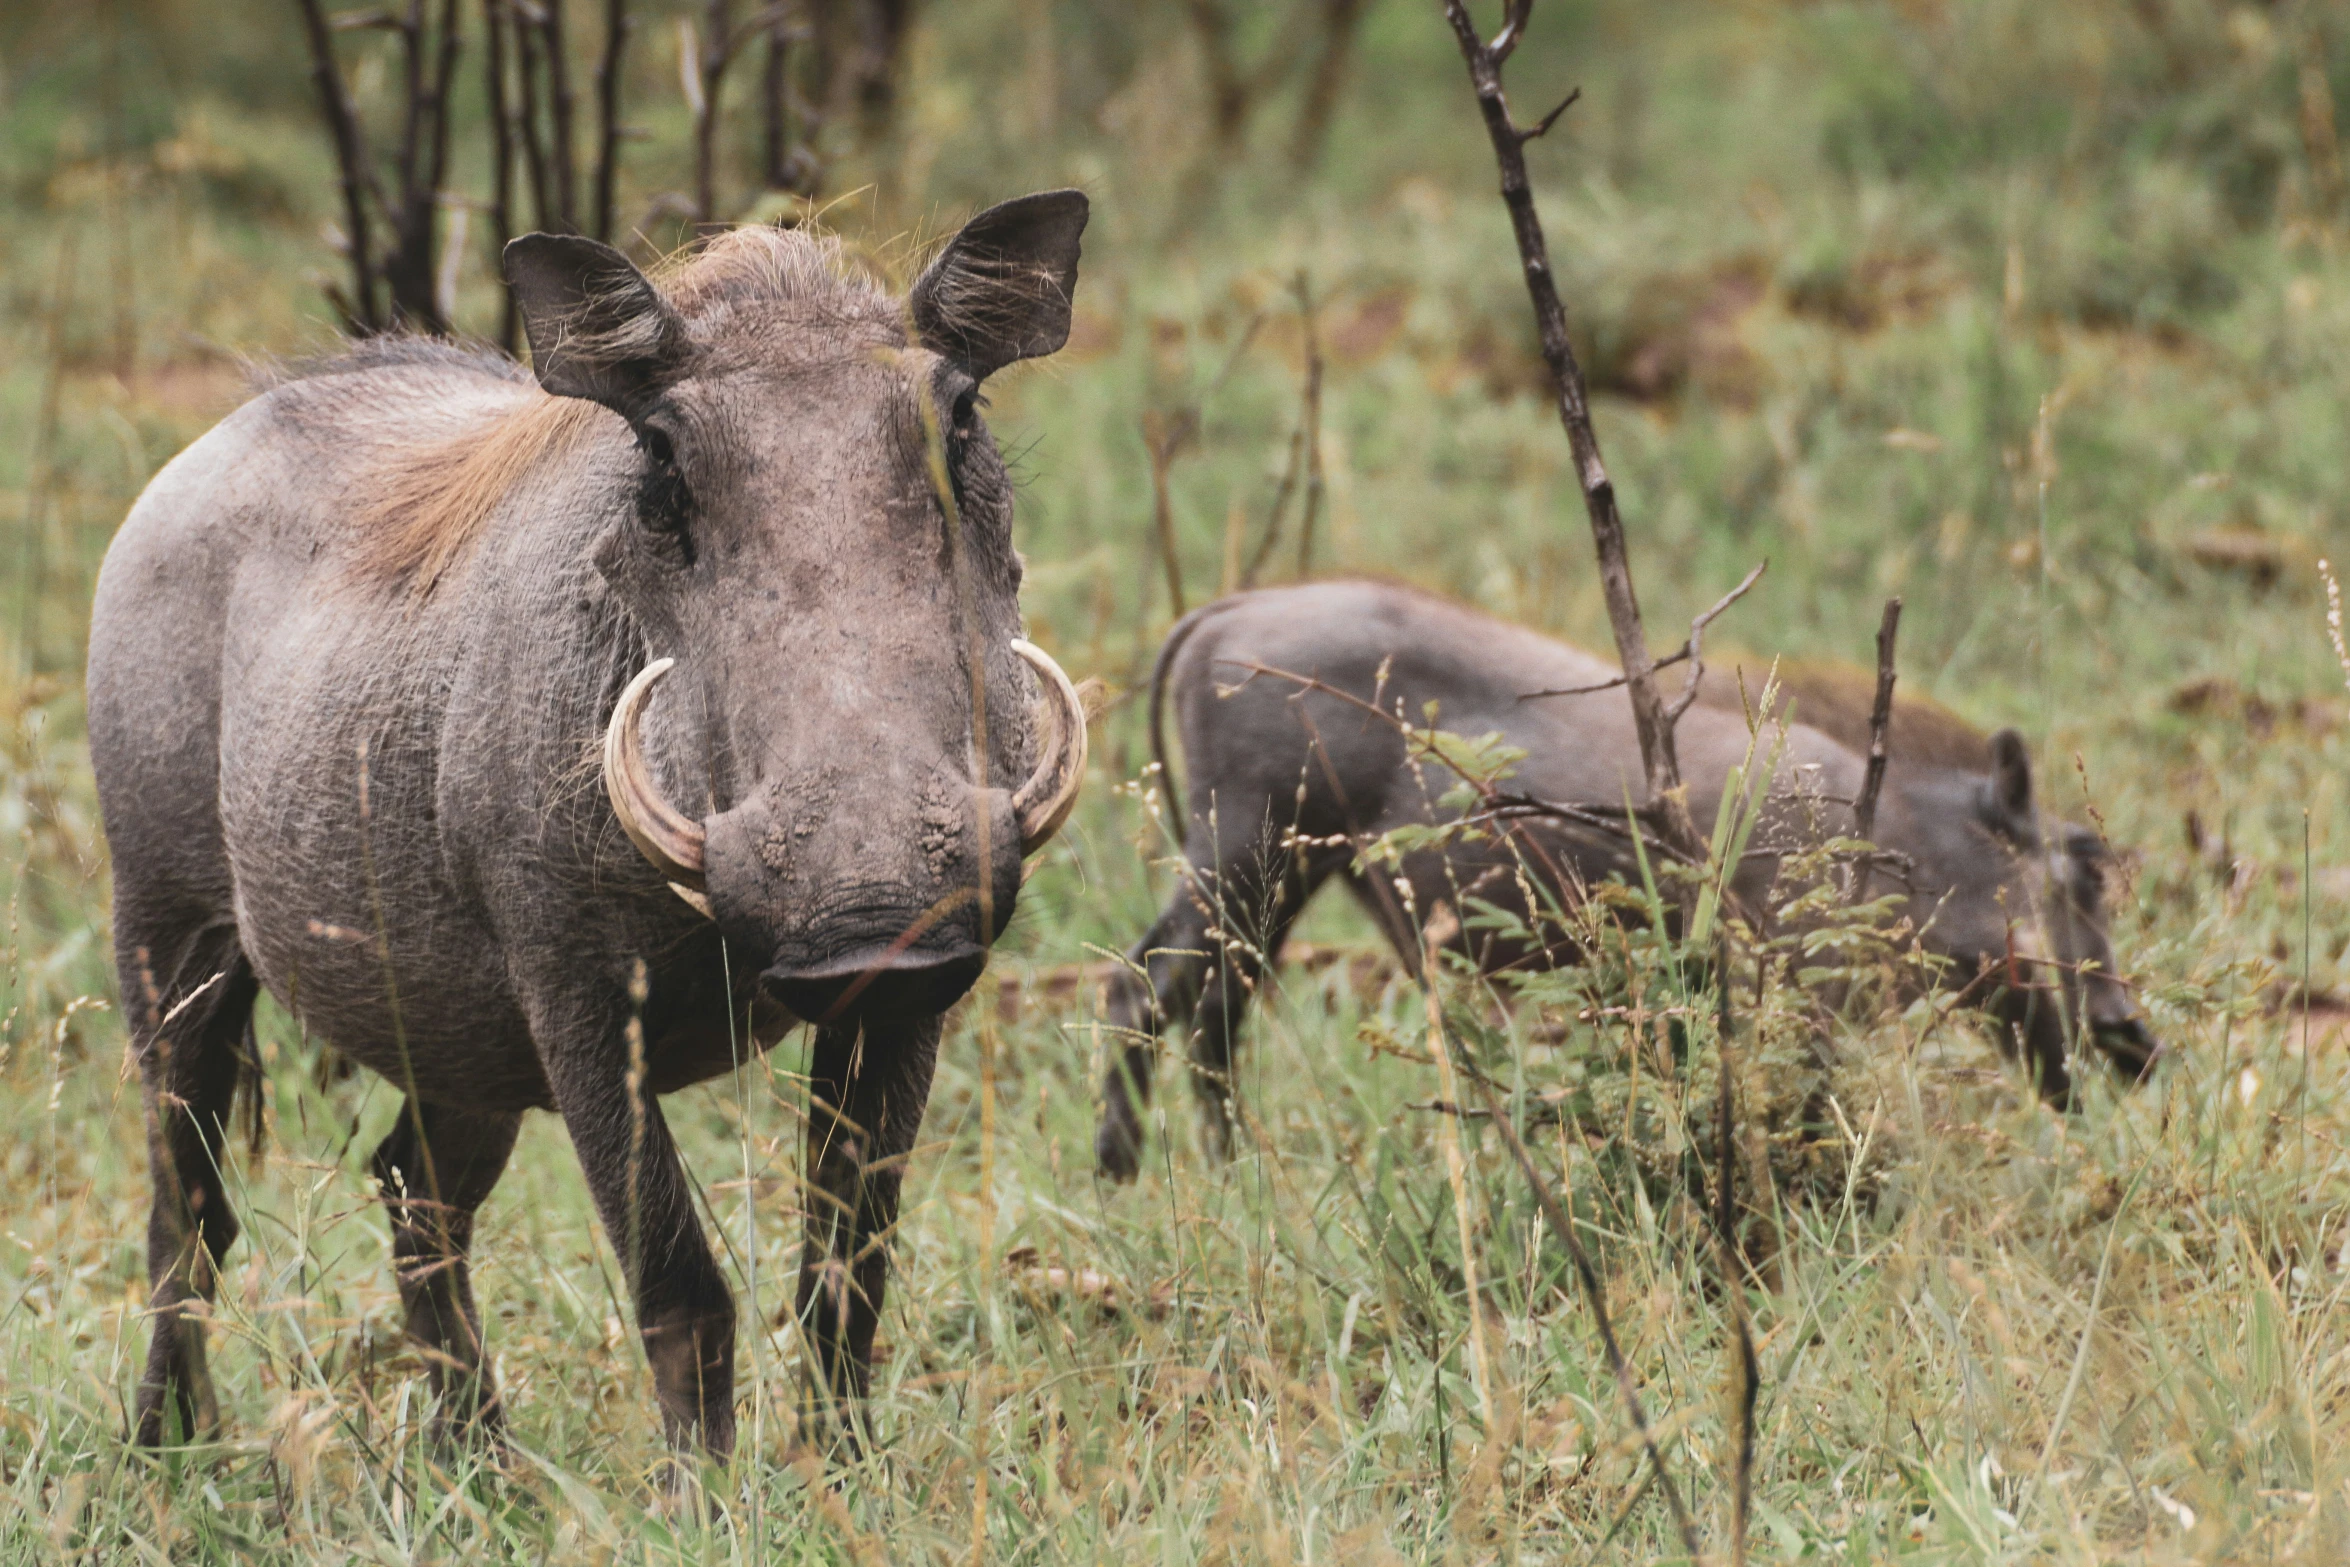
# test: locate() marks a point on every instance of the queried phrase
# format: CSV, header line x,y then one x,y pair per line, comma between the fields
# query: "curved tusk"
x,y
1044,801
671,840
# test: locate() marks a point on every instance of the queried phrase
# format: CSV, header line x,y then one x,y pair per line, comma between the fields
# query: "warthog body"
x,y
356,654
1290,769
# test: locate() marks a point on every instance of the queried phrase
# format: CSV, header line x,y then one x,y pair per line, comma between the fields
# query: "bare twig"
x,y
1312,439
360,312
1864,809
1165,436
1495,804
617,27
793,118
1693,648
1562,1228
526,114
1658,756
1341,19
493,21
559,115
1733,1286
710,70
1305,449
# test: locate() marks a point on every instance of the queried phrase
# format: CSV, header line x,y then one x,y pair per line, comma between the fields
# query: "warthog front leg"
x,y
684,1309
435,1168
865,1102
189,1028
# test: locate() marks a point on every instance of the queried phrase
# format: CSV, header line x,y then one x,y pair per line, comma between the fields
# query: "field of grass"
x,y
2036,315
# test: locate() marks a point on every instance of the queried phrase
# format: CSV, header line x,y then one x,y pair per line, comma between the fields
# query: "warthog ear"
x,y
1000,291
598,327
2011,777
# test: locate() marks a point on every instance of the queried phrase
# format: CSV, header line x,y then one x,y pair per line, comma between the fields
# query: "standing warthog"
x,y
1280,696
359,654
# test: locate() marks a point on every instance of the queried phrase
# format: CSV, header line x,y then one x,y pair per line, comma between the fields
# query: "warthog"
x,y
1291,769
360,654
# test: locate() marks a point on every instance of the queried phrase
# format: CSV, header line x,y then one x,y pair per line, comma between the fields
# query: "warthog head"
x,y
839,749
2015,900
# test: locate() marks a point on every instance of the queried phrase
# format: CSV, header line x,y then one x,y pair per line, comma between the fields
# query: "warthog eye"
x,y
664,503
658,446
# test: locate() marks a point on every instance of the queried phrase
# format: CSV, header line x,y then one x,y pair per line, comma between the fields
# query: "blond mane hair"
x,y
431,498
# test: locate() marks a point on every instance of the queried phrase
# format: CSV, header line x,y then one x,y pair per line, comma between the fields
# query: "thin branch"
x,y
617,27
1864,809
1687,650
559,115
1595,1294
359,313
1305,447
493,79
1165,437
1541,127
1696,643
1341,20
526,115
1659,758
1313,430
1496,805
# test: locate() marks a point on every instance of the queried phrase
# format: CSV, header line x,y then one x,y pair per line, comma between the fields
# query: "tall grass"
x,y
2029,313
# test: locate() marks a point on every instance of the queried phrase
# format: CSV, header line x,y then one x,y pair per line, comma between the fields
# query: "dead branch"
x,y
705,64
1494,804
1165,436
617,27
1692,649
1695,645
559,115
1658,756
791,122
526,115
1562,1228
710,69
1305,449
1733,1288
360,314
1864,809
1341,19
501,162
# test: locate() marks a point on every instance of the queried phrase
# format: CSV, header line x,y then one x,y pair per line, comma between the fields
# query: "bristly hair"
x,y
432,497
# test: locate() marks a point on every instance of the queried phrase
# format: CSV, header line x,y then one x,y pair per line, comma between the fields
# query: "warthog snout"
x,y
877,982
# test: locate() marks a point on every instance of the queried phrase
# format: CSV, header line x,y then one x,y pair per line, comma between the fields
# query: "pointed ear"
x,y
1000,291
2011,776
598,327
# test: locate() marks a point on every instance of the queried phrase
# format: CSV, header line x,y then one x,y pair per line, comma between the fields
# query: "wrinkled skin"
x,y
2013,901
379,799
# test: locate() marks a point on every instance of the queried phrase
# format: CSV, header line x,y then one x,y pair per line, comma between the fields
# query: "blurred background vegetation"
x,y
2034,314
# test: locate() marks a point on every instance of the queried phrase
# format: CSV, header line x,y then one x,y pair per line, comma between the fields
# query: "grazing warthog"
x,y
360,654
1290,769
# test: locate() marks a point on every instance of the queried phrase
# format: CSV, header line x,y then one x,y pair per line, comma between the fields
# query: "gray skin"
x,y
383,804
1274,761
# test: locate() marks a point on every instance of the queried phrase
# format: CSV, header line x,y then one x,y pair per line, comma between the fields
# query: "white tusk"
x,y
1043,803
667,837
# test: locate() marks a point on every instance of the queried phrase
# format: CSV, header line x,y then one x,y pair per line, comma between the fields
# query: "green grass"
x,y
2020,311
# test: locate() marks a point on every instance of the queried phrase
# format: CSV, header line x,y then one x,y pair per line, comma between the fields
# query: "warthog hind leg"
x,y
189,1023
